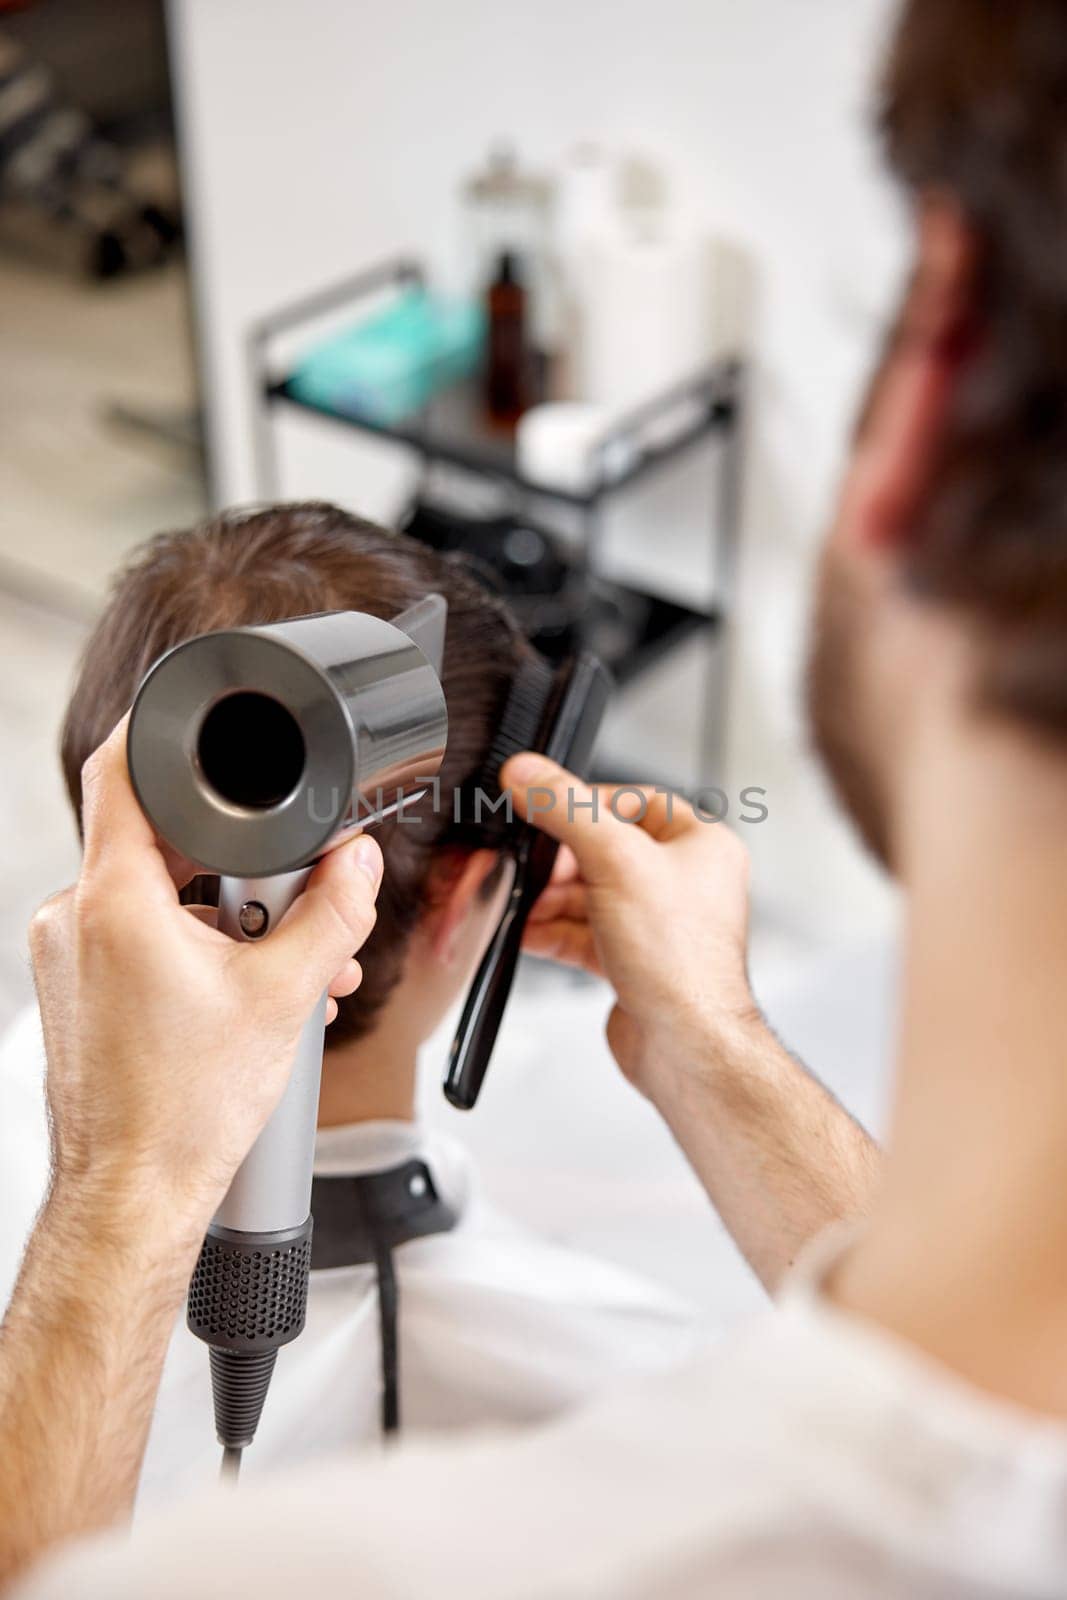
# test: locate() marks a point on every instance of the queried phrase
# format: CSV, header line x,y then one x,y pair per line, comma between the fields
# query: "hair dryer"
x,y
252,751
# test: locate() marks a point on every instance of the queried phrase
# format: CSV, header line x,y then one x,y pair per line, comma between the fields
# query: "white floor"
x,y
77,491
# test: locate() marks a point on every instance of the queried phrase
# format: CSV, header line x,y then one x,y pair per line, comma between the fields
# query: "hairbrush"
x,y
557,714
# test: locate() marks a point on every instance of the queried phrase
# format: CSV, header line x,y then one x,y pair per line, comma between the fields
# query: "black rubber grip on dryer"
x,y
249,1291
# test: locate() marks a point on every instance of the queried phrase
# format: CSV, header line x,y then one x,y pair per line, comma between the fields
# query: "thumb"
x,y
552,799
328,923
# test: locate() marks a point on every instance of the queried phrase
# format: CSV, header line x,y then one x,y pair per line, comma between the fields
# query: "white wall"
x,y
322,136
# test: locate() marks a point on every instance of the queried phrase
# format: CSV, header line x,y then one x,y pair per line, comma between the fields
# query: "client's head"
x,y
440,894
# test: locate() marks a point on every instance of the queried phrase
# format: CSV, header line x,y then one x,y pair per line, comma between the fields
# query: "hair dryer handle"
x,y
271,1190
248,1292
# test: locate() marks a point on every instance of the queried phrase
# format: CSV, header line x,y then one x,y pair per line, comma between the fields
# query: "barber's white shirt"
x,y
496,1324
811,1457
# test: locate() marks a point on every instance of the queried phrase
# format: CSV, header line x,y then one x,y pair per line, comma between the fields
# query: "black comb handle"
x,y
472,1047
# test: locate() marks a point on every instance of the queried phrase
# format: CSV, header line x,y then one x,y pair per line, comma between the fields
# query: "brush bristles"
x,y
521,727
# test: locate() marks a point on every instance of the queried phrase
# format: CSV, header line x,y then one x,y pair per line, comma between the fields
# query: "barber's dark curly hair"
x,y
974,108
285,561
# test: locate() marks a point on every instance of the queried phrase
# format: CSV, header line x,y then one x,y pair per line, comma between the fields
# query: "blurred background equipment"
x,y
587,347
434,378
507,232
508,347
100,430
86,174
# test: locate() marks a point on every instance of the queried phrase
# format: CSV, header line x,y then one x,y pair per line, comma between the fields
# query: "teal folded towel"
x,y
388,366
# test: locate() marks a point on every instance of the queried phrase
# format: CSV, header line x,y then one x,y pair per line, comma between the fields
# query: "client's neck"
x,y
370,1079
966,1254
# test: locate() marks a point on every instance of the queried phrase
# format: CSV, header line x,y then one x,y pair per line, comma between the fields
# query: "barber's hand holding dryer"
x,y
137,997
897,1424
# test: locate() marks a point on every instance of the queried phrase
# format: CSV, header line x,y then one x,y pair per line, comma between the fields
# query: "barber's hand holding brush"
x,y
654,898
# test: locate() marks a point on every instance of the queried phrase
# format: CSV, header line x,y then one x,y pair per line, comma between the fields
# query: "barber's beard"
x,y
842,727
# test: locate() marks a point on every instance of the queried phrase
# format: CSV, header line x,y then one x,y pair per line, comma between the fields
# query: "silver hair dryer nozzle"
x,y
253,749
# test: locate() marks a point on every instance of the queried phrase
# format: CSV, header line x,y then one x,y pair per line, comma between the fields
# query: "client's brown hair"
x,y
286,561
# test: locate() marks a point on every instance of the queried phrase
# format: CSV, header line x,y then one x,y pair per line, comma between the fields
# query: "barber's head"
x,y
944,583
439,896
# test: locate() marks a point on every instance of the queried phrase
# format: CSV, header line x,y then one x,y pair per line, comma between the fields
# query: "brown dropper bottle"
x,y
505,391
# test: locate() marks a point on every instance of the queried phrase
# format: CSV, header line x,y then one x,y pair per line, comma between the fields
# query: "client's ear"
x,y
457,880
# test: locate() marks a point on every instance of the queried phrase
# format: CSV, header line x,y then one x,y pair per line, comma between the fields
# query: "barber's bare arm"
x,y
660,908
168,1046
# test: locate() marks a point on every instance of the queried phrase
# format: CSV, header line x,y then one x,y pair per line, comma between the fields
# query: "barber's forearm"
x,y
81,1351
779,1157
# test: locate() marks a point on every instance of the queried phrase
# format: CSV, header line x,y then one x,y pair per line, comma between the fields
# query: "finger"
x,y
118,835
665,816
568,943
181,869
324,925
565,868
347,981
332,1009
555,801
208,915
662,814
51,941
569,900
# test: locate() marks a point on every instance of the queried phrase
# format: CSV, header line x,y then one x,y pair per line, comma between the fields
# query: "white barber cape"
x,y
496,1325
810,1458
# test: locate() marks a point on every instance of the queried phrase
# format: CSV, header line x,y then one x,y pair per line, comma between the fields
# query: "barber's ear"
x,y
908,407
457,881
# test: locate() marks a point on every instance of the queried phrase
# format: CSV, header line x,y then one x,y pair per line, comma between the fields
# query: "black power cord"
x,y
388,1308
